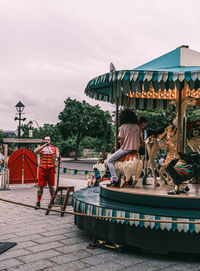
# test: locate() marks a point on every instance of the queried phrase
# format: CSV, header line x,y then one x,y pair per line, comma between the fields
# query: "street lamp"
x,y
20,108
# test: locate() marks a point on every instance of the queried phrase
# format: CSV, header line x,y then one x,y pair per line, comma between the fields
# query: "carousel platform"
x,y
179,233
154,196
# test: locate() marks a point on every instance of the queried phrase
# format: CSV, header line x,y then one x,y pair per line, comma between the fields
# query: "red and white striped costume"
x,y
48,156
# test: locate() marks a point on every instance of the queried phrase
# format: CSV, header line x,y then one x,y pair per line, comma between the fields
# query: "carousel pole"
x,y
178,108
180,120
112,69
116,123
184,128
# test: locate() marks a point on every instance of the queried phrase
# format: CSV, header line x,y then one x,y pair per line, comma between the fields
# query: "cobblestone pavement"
x,y
54,243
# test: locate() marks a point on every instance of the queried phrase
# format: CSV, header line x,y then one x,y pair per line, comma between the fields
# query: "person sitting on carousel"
x,y
95,178
129,136
181,167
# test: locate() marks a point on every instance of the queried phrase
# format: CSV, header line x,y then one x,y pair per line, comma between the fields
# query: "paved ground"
x,y
81,165
53,243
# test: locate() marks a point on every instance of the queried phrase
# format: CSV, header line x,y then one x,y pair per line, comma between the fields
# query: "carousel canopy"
x,y
152,84
182,59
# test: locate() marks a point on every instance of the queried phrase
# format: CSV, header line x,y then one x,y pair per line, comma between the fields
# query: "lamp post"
x,y
20,108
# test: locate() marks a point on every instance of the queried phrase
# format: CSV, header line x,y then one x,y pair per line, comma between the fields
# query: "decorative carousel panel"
x,y
193,93
151,94
152,221
143,84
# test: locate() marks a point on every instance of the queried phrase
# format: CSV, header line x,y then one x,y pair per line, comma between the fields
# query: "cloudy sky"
x,y
50,49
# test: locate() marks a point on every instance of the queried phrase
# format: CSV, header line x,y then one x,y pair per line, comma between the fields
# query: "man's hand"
x,y
38,149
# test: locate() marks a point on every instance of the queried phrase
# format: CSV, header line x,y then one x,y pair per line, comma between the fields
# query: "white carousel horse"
x,y
153,145
126,166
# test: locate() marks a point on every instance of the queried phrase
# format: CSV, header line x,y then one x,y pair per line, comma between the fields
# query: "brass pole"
x,y
179,122
184,119
116,123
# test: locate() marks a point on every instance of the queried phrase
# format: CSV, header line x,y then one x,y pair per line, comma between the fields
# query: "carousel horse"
x,y
181,167
126,166
158,139
193,132
193,128
153,145
193,135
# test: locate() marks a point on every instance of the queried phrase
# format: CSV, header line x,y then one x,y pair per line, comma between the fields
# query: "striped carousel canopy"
x,y
153,84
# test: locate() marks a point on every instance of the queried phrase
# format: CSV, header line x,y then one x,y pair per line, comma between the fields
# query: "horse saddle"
x,y
129,156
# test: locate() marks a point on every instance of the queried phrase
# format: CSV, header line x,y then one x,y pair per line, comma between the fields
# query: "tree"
x,y
47,130
158,118
80,119
1,135
193,114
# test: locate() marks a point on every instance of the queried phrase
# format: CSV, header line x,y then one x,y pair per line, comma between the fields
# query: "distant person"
x,y
129,136
1,161
107,175
161,160
142,125
49,159
95,178
1,165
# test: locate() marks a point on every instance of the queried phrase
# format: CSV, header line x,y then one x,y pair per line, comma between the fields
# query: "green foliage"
x,y
67,146
47,129
81,120
157,119
91,143
1,135
161,118
83,126
97,144
193,114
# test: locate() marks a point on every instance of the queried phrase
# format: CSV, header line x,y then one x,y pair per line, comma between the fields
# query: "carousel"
x,y
163,216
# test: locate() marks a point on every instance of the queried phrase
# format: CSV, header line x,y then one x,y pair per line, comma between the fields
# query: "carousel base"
x,y
157,236
154,196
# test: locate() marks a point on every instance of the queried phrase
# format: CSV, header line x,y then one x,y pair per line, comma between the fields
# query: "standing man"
x,y
49,159
142,125
142,149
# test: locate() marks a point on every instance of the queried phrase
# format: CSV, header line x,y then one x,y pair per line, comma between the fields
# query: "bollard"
x,y
5,179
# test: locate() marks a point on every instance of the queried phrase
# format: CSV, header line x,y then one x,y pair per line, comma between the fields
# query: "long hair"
x,y
128,116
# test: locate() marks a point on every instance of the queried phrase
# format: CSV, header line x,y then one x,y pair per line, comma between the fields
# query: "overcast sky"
x,y
50,49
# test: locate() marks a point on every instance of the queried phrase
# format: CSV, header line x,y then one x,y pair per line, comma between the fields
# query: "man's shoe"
x,y
173,192
185,190
37,205
113,185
